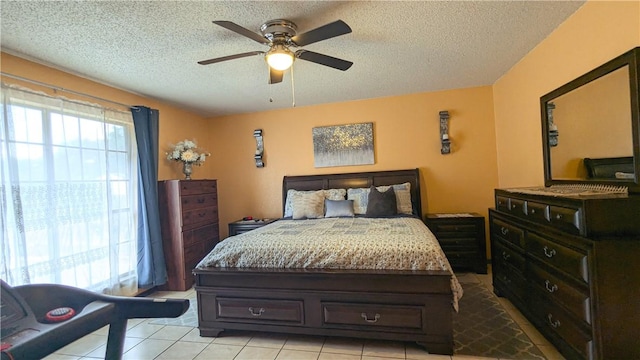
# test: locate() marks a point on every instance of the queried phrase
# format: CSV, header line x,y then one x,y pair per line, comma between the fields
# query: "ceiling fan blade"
x,y
325,60
275,76
230,57
242,31
324,32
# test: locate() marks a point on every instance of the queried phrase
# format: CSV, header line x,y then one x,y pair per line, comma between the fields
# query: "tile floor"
x,y
150,341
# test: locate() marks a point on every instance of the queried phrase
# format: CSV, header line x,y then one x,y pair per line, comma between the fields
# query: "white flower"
x,y
187,152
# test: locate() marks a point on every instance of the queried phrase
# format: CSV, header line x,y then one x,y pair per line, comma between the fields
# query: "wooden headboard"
x,y
356,180
606,168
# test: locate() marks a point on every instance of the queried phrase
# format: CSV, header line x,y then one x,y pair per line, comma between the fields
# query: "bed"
x,y
374,302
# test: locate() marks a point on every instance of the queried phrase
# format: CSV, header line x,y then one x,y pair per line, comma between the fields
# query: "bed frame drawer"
x,y
260,310
380,315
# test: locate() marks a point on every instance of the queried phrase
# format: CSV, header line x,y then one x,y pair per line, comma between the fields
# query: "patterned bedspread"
x,y
403,243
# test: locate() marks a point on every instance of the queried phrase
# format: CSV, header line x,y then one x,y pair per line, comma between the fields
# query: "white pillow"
x,y
308,205
331,194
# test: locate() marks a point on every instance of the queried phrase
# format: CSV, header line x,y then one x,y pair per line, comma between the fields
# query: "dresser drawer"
x,y
507,232
517,207
197,187
372,315
208,234
554,319
502,204
572,262
198,201
538,212
575,300
259,310
507,279
506,256
198,217
567,219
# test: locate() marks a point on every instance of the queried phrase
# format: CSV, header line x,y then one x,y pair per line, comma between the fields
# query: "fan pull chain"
x,y
293,90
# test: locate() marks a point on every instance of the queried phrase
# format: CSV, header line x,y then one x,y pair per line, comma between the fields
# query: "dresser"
x,y
189,220
462,238
571,265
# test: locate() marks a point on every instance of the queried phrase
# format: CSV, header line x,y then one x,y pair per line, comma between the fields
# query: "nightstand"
x,y
463,239
242,226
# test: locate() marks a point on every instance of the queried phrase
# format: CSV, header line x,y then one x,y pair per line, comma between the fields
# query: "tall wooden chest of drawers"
x,y
571,265
189,218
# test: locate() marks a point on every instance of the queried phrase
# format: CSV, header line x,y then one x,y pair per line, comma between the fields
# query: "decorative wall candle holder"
x,y
259,148
553,128
444,133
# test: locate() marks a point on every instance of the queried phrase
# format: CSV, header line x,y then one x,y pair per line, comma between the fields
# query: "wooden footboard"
x,y
389,305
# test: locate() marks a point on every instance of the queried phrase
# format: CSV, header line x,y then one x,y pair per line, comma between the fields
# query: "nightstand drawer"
x,y
454,230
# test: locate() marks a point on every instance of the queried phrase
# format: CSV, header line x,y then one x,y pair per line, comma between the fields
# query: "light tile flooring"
x,y
150,341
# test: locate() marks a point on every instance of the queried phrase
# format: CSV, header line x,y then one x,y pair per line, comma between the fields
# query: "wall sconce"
x,y
259,148
444,133
553,128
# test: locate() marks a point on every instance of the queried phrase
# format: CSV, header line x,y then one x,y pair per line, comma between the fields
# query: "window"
x,y
68,194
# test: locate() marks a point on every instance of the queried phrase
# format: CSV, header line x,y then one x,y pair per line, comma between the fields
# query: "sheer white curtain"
x,y
68,193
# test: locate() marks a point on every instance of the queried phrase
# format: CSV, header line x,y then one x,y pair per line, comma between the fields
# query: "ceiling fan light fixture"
x,y
279,57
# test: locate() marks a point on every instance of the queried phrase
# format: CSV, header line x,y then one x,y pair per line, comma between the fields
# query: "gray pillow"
x,y
381,204
338,208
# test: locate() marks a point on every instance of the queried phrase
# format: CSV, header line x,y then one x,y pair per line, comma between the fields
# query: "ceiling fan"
x,y
280,35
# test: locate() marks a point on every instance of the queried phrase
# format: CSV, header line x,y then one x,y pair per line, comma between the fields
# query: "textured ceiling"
x,y
152,47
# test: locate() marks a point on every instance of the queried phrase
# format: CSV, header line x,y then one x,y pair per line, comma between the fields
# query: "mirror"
x,y
590,127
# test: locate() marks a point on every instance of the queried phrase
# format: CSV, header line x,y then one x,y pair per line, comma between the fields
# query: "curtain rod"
x,y
58,88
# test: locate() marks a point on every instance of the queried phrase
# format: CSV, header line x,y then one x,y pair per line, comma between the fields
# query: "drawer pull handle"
x,y
513,206
551,288
366,318
559,216
554,324
549,252
533,211
254,313
201,200
505,255
504,230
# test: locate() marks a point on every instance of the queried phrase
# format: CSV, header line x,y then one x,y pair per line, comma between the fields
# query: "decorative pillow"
x,y
360,197
308,205
403,197
331,194
338,208
381,204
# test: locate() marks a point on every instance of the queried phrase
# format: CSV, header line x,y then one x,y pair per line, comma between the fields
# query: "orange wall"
x,y
596,33
406,135
175,124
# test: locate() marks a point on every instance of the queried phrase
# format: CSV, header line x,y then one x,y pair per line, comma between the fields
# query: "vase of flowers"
x,y
188,154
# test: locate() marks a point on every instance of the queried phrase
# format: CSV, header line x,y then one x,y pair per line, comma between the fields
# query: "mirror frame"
x,y
630,58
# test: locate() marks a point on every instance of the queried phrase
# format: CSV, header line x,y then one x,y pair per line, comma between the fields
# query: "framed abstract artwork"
x,y
343,145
